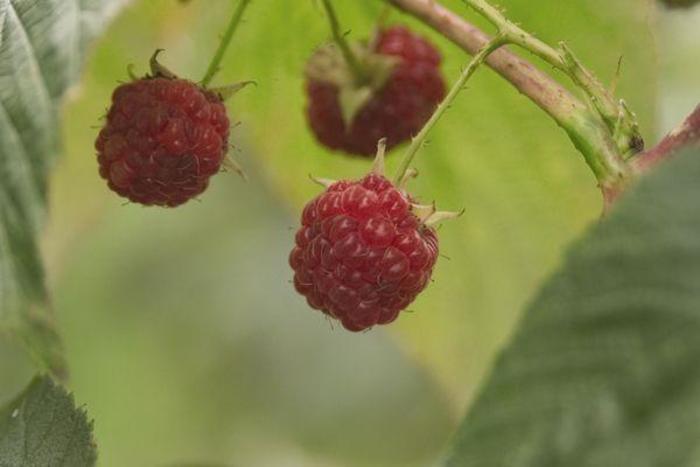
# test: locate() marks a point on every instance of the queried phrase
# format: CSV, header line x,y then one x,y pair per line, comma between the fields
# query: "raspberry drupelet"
x,y
361,254
399,104
164,137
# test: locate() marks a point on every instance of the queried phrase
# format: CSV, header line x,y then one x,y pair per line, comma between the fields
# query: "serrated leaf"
x,y
43,45
42,427
603,368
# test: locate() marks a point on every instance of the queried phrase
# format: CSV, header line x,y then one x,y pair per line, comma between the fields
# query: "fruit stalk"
x,y
339,39
213,67
467,73
539,87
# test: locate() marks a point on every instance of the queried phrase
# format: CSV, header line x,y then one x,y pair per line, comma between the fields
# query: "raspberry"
x,y
163,139
397,110
361,254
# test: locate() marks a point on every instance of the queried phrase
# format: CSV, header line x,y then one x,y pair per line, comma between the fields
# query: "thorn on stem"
x,y
616,77
410,174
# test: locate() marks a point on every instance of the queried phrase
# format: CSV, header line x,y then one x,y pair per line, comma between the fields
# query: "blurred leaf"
x,y
526,190
42,48
204,327
202,321
679,3
603,369
43,427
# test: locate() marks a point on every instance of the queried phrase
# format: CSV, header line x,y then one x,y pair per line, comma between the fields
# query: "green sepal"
x,y
328,65
352,100
228,91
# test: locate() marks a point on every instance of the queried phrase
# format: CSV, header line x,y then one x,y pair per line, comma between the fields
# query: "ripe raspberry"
x,y
361,255
397,109
164,137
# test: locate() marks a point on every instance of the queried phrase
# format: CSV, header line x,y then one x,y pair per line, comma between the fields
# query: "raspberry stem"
x,y
685,135
339,38
544,91
615,113
419,140
602,130
213,67
605,135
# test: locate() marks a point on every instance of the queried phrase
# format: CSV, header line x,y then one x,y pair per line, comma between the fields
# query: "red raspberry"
x,y
163,139
361,255
397,111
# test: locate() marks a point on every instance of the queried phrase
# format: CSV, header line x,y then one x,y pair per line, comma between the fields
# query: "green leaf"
x,y
42,427
43,44
603,368
679,3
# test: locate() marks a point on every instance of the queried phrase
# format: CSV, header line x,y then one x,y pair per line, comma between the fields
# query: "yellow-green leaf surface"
x,y
525,189
42,48
189,314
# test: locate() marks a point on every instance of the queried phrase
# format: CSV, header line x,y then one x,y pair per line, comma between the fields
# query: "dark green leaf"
x,y
603,370
42,427
42,48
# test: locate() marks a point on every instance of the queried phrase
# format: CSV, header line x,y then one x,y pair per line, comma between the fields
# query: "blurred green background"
x,y
185,338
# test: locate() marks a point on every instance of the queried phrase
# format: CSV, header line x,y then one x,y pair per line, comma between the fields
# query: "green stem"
x,y
225,41
602,149
593,140
419,139
616,117
516,35
339,39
